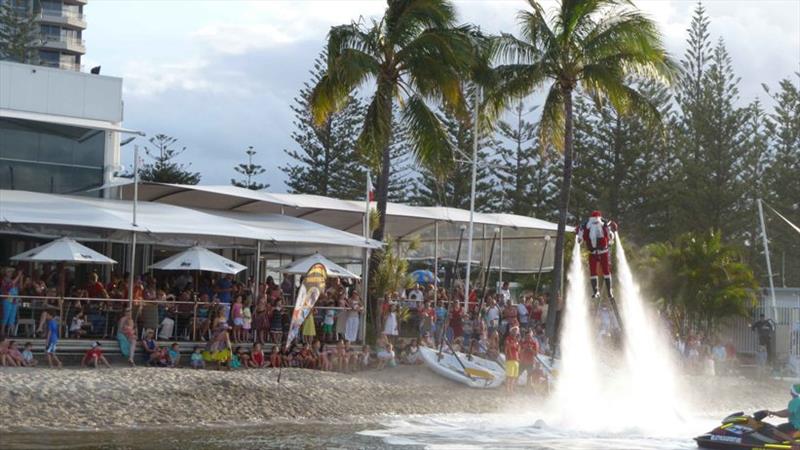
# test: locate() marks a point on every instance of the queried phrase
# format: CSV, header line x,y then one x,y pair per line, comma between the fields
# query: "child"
x,y
27,355
197,361
238,319
257,357
5,359
15,354
275,359
327,325
174,354
386,357
235,362
326,358
244,357
512,359
94,356
363,359
52,340
247,320
76,329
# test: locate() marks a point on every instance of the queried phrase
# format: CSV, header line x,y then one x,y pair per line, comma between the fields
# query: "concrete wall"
x,y
60,92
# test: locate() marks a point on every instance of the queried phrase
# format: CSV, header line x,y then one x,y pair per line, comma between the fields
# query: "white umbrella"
x,y
334,270
199,258
64,250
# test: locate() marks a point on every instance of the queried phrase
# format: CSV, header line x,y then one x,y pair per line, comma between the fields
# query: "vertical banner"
x,y
312,287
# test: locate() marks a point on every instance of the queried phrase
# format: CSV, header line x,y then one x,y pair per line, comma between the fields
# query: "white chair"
x,y
28,324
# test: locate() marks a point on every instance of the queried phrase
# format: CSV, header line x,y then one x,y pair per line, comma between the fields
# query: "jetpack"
x,y
598,234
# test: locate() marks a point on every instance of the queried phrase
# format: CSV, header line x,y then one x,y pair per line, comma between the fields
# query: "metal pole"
x,y
501,257
769,264
365,265
132,267
258,273
435,262
472,195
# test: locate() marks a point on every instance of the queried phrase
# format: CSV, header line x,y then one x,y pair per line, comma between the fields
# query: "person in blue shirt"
x,y
792,412
52,340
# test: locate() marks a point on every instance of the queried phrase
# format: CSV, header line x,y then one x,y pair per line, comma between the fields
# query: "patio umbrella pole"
x,y
133,234
541,261
435,262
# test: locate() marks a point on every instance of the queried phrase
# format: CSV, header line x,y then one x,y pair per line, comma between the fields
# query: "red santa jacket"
x,y
597,233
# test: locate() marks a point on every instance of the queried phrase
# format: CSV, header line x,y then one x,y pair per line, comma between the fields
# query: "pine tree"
x,y
526,175
164,169
783,183
711,145
249,171
20,36
452,188
326,162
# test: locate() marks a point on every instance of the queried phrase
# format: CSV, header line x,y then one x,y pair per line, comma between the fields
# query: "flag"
x,y
312,287
370,189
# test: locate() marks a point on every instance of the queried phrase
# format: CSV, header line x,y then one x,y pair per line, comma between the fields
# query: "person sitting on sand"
x,y
5,359
326,356
152,352
341,357
15,354
411,355
28,359
364,358
257,357
197,361
275,358
174,354
126,336
237,360
94,356
386,357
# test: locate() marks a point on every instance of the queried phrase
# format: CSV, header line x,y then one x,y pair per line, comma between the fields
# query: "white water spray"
x,y
598,390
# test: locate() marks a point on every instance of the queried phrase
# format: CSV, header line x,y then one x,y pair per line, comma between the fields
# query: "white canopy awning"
x,y
199,258
65,120
63,250
334,270
49,215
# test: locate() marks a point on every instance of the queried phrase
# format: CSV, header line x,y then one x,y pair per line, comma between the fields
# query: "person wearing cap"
x,y
94,356
598,234
792,412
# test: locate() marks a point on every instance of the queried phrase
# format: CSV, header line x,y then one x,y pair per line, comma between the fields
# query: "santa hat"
x,y
596,213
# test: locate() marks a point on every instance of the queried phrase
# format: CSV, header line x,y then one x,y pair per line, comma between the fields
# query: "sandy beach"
x,y
74,398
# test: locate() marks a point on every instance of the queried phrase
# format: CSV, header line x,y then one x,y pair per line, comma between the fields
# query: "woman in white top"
x,y
390,326
351,325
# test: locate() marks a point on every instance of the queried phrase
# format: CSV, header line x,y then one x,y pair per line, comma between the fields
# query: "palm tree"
x,y
413,55
592,45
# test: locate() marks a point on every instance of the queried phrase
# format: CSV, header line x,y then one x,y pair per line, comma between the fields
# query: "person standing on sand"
x,y
126,336
351,326
512,359
52,341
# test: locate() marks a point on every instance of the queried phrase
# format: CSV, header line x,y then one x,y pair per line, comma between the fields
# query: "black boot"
x,y
595,290
607,281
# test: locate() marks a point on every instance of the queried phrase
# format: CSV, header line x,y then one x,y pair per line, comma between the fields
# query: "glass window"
x,y
51,6
51,31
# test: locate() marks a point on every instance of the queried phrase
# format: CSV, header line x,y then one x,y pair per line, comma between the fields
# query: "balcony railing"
x,y
57,15
63,65
70,41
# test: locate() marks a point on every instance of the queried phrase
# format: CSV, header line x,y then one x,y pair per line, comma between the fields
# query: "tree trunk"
x,y
566,185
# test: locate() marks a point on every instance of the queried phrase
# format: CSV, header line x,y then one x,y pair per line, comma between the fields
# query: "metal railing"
x,y
44,14
69,40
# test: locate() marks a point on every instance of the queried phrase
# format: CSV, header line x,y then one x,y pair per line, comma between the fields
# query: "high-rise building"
x,y
62,24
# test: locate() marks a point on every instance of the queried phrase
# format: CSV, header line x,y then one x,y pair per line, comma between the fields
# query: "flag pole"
x,y
365,265
133,233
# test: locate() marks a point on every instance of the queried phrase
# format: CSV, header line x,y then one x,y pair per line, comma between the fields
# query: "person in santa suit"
x,y
598,234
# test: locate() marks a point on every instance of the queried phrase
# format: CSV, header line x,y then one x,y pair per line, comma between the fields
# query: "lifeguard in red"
x,y
598,234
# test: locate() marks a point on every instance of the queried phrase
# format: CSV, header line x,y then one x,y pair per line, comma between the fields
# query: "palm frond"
x,y
430,145
377,130
405,19
551,126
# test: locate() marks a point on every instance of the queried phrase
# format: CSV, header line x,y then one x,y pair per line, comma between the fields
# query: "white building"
x,y
59,130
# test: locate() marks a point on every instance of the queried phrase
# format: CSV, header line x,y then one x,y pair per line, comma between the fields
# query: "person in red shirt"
x,y
94,356
529,348
512,348
257,357
95,289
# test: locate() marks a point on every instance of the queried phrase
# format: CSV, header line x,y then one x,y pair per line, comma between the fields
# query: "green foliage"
x,y
392,272
699,280
20,36
164,168
249,171
413,55
326,162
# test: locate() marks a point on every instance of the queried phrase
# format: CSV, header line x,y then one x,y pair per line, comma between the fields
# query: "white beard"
x,y
595,226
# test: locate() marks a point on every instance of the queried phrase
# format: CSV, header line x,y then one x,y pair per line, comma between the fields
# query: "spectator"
x,y
411,355
720,357
309,328
327,325
456,321
492,315
9,287
94,356
364,358
276,323
78,326
5,359
126,336
247,320
353,317
243,357
523,314
197,361
15,355
238,319
275,359
765,328
505,294
257,357
152,352
529,348
52,340
512,359
224,291
261,323
390,325
386,357
27,355
174,354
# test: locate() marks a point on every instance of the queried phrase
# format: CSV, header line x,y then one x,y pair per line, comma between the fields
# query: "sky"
x,y
222,75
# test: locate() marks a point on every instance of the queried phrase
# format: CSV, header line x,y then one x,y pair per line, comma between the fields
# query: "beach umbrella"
x,y
334,270
199,258
422,276
64,250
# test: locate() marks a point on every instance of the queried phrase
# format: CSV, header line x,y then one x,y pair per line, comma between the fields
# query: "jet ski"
x,y
739,431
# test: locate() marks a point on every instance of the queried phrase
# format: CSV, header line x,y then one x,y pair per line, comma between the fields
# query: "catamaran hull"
x,y
486,374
